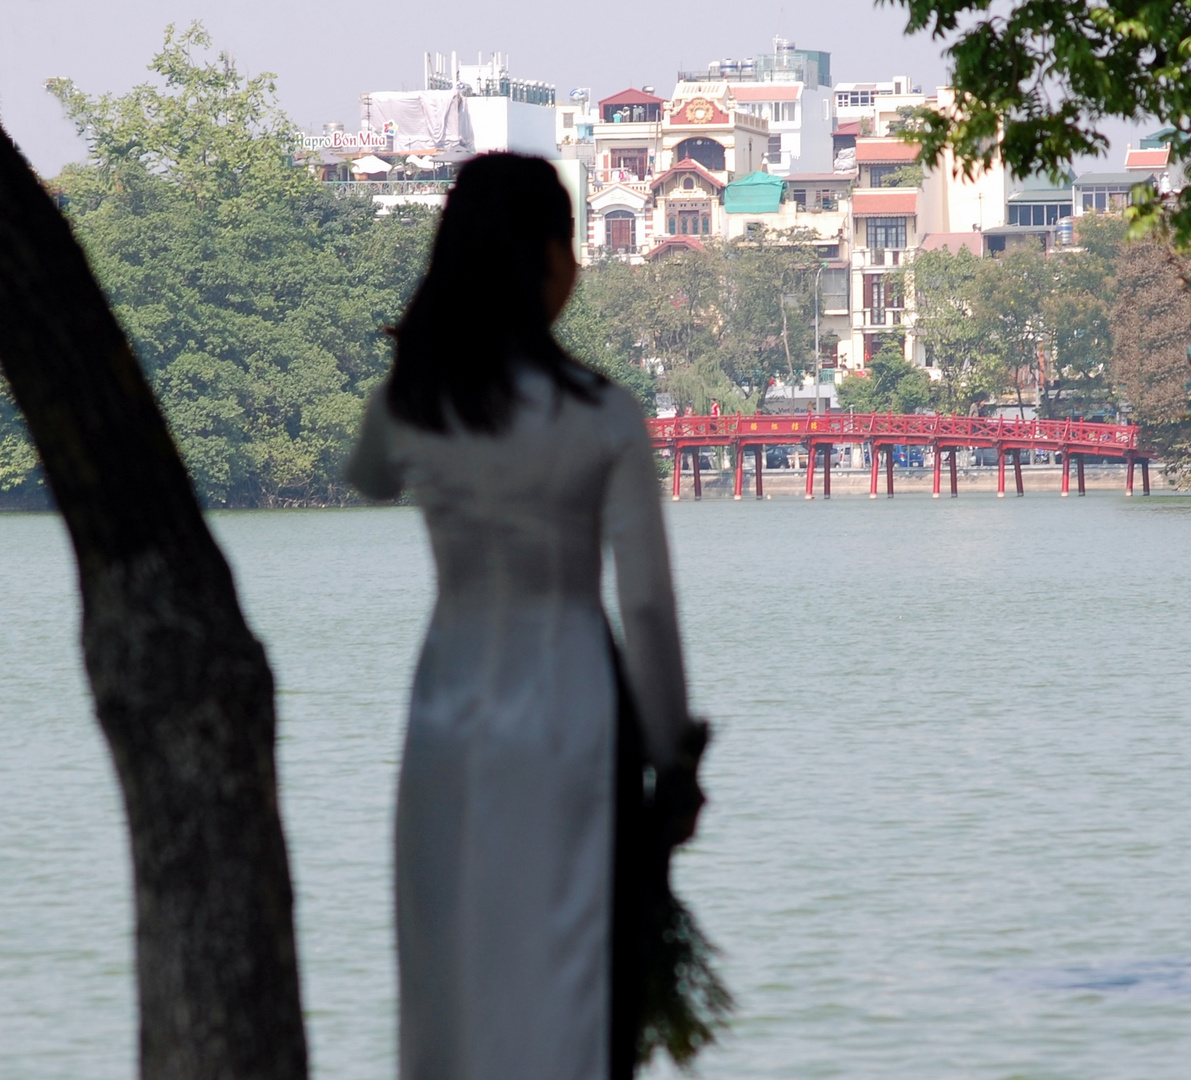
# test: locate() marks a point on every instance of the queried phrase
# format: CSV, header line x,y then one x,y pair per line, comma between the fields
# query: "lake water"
x,y
949,832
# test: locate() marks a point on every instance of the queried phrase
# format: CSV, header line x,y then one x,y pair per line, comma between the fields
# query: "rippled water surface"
x,y
950,829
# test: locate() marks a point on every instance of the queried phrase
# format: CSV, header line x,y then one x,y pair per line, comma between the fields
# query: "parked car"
x,y
800,451
778,457
909,457
984,455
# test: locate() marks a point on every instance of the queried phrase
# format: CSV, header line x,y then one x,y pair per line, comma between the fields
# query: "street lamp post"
x,y
818,274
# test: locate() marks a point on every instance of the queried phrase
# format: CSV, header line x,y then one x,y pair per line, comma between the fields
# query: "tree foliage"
x,y
1035,78
253,297
1151,326
890,384
216,134
717,323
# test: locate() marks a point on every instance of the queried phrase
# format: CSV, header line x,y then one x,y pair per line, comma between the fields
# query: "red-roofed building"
x,y
880,158
884,152
1147,161
673,244
898,201
631,107
884,235
627,139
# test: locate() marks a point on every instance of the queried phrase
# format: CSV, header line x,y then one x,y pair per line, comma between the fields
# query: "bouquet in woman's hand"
x,y
685,1000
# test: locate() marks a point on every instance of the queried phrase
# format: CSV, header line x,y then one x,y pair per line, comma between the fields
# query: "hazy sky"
x,y
326,54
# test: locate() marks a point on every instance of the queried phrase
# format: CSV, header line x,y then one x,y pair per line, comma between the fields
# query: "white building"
x,y
790,89
876,105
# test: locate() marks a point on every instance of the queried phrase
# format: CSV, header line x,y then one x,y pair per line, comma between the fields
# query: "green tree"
x,y
216,134
253,297
891,384
716,323
1151,329
1034,79
946,288
904,176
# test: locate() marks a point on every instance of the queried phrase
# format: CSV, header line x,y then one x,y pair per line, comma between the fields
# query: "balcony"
x,y
880,318
343,188
868,258
624,177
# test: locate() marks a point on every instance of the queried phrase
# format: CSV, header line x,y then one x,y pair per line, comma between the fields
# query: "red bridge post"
x,y
676,494
875,462
810,469
938,471
1066,473
759,460
696,454
1017,472
1145,476
889,471
954,478
827,448
738,479
1000,472
1079,474
1129,475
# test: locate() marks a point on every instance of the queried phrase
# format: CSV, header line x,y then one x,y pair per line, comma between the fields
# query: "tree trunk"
x,y
182,689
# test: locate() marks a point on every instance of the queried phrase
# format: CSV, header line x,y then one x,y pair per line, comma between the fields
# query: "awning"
x,y
757,193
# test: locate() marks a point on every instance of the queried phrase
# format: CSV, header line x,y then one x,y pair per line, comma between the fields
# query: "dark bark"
x,y
182,689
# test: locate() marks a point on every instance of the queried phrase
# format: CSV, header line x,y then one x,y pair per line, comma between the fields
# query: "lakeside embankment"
x,y
791,483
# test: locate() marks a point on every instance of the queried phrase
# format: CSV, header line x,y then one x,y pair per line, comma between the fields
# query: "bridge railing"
x,y
913,428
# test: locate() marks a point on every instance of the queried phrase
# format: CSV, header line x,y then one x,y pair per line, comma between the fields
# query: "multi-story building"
x,y
660,166
876,107
790,89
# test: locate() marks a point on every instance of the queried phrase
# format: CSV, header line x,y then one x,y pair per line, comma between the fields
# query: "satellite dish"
x,y
578,94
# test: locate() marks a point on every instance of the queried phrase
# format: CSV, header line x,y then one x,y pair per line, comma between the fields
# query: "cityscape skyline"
x,y
107,51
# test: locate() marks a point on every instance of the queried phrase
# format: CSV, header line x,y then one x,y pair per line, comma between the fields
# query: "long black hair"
x,y
481,311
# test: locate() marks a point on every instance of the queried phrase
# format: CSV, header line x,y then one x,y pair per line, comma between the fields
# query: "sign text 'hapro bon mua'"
x,y
345,140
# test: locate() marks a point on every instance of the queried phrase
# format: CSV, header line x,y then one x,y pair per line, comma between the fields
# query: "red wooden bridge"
x,y
881,432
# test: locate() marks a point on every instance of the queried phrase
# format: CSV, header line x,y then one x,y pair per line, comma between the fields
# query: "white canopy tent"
x,y
369,165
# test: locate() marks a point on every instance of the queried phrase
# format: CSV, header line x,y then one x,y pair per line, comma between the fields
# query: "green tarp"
x,y
757,193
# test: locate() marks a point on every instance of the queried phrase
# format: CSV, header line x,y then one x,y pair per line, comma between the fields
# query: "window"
x,y
629,164
753,230
1038,214
874,299
798,197
827,199
620,231
853,99
834,284
707,152
877,174
774,149
783,112
688,183
672,226
887,232
881,294
568,120
706,225
1113,197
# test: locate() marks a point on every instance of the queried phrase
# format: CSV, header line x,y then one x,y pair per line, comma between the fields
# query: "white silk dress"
x,y
505,805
